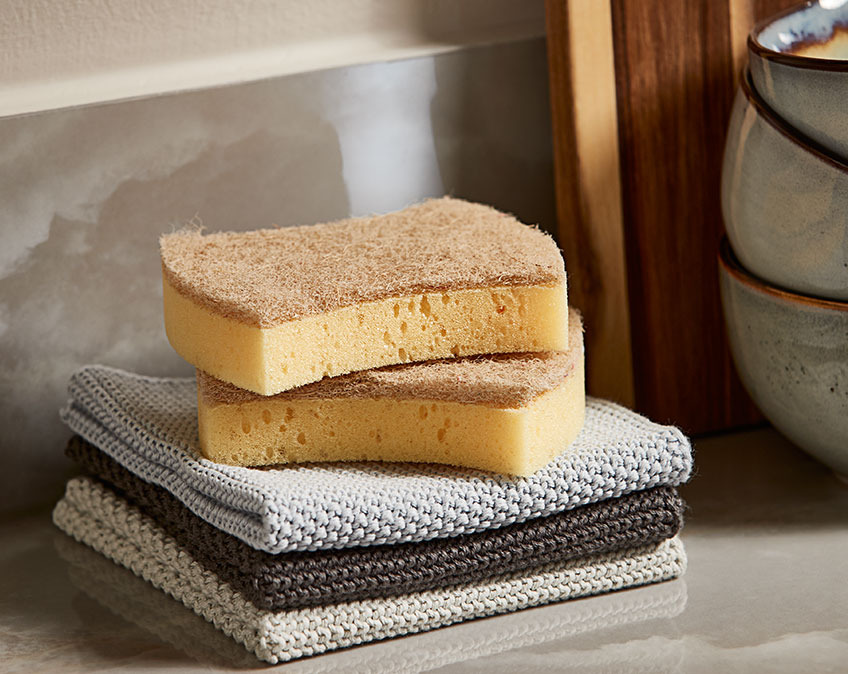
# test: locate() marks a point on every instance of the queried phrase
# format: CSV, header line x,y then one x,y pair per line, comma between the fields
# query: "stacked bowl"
x,y
784,264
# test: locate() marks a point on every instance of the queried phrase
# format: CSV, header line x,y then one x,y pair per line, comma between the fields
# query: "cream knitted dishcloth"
x,y
124,594
94,515
149,425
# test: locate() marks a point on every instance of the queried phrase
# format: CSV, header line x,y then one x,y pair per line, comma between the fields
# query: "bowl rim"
x,y
806,143
730,263
756,48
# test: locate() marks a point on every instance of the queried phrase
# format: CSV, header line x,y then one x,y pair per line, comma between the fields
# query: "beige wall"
x,y
58,53
86,192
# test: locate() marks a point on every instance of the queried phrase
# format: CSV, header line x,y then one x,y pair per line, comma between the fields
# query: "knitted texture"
x,y
149,426
136,601
94,515
294,580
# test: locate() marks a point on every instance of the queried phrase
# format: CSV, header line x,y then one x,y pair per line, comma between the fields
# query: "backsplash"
x,y
87,191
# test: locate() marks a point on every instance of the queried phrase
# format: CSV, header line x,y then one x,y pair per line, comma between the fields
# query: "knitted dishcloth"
x,y
96,516
139,603
298,579
149,425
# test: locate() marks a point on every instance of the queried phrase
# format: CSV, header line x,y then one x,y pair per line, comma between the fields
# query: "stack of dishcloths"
x,y
388,433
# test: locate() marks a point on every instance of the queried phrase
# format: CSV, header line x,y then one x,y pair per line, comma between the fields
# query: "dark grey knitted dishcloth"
x,y
293,580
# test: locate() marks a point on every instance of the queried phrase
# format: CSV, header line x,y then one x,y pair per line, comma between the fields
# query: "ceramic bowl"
x,y
785,202
791,352
799,65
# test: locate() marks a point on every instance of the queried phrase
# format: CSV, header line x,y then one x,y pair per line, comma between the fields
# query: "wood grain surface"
x,y
591,235
676,66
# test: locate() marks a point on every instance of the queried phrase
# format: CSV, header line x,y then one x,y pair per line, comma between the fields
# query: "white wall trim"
x,y
105,56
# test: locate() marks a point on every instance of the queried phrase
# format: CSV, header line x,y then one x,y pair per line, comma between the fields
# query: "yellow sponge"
x,y
271,310
508,413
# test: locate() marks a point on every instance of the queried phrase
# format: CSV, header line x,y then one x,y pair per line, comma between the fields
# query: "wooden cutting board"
x,y
641,92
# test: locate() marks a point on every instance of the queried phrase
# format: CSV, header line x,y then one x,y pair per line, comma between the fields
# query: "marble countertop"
x,y
766,590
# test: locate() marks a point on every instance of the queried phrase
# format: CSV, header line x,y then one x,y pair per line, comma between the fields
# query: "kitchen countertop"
x,y
766,590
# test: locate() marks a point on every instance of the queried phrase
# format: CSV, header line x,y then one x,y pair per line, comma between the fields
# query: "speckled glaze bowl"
x,y
791,352
785,202
799,65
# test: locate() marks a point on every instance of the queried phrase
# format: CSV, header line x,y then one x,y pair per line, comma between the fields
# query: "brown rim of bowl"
x,y
785,129
786,58
727,259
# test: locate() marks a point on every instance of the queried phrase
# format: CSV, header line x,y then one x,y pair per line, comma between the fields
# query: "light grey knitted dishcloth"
x,y
149,425
96,516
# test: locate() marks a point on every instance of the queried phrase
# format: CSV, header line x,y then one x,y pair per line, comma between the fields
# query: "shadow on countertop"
x,y
757,477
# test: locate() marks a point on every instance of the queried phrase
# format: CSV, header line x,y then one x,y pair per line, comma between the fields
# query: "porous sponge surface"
x,y
496,380
270,276
508,414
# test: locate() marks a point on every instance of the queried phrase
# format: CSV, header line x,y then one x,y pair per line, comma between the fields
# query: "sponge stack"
x,y
352,340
